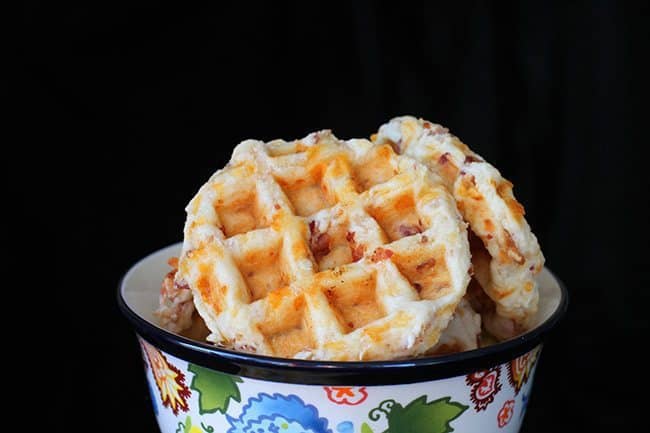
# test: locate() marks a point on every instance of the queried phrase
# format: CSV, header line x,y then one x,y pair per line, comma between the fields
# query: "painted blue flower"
x,y
345,427
278,414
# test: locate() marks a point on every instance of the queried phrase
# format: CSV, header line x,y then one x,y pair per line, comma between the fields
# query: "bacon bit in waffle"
x,y
318,242
358,250
381,254
396,146
409,229
321,246
469,159
431,130
444,159
426,265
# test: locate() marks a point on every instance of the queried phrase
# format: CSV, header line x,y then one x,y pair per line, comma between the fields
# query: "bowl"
x,y
197,387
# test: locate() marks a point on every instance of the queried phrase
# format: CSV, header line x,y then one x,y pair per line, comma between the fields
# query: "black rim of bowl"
x,y
337,372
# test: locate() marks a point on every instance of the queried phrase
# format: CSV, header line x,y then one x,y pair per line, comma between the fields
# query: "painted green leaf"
x,y
365,428
422,417
215,389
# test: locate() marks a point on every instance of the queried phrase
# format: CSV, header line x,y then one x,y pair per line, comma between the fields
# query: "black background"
x,y
130,109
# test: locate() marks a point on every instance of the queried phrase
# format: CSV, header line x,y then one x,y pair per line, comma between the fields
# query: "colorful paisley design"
x,y
218,394
278,414
485,384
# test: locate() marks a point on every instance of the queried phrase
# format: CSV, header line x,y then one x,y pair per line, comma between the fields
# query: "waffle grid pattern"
x,y
324,249
508,256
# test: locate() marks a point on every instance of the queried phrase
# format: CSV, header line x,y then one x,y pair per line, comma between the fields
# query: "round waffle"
x,y
324,249
486,202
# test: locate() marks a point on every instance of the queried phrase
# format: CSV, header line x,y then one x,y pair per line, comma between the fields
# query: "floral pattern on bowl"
x,y
218,402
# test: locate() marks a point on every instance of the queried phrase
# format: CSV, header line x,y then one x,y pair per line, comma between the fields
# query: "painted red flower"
x,y
505,414
485,384
349,395
169,380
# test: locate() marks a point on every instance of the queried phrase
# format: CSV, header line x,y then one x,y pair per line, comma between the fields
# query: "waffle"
x,y
484,198
463,332
323,249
